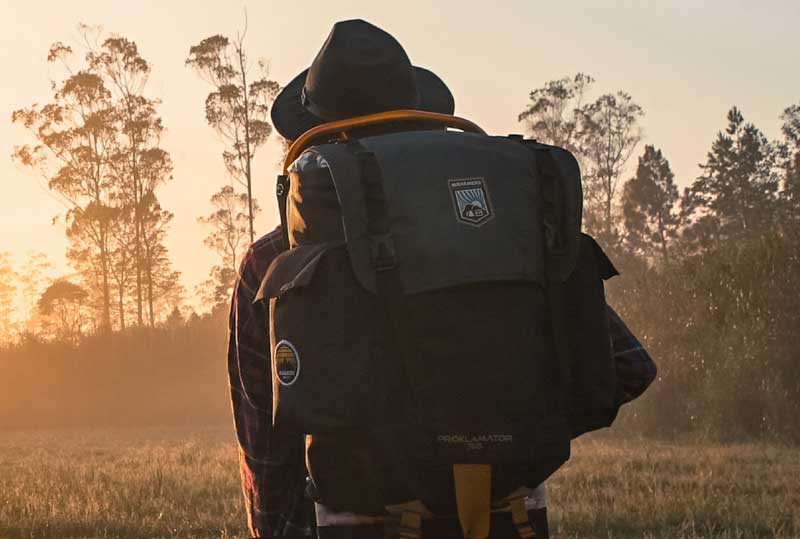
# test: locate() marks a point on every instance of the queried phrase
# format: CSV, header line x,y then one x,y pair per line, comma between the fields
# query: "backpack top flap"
x,y
464,208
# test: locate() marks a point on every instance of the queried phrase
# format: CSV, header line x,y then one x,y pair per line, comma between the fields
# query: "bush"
x,y
723,329
175,374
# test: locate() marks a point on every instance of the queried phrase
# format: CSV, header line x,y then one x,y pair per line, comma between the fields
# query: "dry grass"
x,y
184,483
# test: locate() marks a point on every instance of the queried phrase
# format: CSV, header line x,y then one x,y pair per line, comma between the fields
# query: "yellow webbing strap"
x,y
410,525
519,515
341,127
473,483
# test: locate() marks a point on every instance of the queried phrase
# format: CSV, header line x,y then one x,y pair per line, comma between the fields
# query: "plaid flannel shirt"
x,y
272,463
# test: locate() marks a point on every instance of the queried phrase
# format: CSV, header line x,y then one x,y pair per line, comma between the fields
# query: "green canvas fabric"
x,y
435,249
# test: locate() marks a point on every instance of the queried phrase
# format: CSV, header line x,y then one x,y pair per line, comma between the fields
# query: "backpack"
x,y
438,319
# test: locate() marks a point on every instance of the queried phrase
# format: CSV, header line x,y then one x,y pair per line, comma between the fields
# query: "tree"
x,y
554,112
123,267
649,206
75,136
229,227
737,192
64,304
7,293
238,110
33,277
790,149
609,135
140,165
164,290
98,144
603,134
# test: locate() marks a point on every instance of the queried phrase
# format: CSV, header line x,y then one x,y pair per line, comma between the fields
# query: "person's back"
x,y
469,389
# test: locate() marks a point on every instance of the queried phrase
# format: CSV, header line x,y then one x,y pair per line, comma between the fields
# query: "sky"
x,y
685,62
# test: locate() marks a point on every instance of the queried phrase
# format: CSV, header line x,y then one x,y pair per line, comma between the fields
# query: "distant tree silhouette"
x,y
555,110
237,108
34,276
610,133
64,305
790,193
7,293
228,238
603,134
649,207
139,164
75,137
738,190
98,144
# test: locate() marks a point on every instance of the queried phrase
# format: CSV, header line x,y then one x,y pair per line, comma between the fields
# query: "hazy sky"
x,y
685,62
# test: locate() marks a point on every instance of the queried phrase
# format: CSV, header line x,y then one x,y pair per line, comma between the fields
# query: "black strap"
x,y
391,297
553,227
383,259
282,192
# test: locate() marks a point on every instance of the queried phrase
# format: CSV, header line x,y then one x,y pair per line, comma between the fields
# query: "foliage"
x,y
143,376
228,238
140,166
737,193
7,292
723,330
555,110
236,108
602,134
33,277
790,154
609,135
64,305
74,139
649,207
98,144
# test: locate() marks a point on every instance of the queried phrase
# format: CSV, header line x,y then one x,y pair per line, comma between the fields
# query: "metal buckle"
x,y
381,252
410,525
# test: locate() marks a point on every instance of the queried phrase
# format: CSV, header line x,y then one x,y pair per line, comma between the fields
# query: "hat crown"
x,y
360,69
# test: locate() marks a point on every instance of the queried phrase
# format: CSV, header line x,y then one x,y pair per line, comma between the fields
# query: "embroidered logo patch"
x,y
471,201
287,363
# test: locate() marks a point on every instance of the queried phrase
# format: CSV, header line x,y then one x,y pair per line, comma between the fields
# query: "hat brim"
x,y
292,119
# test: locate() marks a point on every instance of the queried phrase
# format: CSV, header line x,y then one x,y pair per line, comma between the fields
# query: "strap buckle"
x,y
522,522
381,252
554,239
410,525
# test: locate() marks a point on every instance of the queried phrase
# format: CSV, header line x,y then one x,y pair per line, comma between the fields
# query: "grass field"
x,y
152,483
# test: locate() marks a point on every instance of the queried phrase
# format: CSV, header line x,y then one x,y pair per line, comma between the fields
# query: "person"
x,y
359,70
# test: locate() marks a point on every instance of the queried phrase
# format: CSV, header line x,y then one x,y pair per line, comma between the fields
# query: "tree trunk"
x,y
662,234
121,308
240,52
106,286
149,273
137,222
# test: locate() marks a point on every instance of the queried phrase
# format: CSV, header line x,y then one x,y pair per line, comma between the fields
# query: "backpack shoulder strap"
x,y
563,205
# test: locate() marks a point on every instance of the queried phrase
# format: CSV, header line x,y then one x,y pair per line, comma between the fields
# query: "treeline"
x,y
708,281
98,144
171,374
709,276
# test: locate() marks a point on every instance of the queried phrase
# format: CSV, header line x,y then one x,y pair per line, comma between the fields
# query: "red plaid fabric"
x,y
272,463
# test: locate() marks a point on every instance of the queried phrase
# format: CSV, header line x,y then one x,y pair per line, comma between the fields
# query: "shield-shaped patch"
x,y
471,201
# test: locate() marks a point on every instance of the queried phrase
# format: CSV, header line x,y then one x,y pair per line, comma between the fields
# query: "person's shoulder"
x,y
271,242
260,255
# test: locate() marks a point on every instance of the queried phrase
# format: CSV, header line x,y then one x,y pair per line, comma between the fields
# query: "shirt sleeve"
x,y
635,369
272,462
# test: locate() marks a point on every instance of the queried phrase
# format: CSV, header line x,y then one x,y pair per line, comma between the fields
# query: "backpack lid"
x,y
464,208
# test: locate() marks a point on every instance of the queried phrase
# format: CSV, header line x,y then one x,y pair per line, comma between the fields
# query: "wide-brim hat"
x,y
359,70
